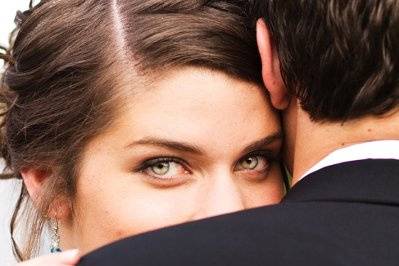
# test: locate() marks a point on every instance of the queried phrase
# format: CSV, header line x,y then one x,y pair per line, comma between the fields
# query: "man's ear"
x,y
34,180
271,72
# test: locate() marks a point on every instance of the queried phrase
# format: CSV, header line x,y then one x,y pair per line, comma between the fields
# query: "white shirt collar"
x,y
381,149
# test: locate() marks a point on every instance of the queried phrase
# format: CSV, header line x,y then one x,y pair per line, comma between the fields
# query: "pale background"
x,y
8,189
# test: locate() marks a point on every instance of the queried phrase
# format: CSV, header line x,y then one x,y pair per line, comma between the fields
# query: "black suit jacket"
x,y
346,214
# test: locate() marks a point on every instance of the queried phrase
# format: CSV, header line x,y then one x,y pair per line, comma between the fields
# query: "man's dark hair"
x,y
340,58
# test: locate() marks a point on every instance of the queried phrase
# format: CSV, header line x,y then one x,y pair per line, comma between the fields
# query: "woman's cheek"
x,y
152,209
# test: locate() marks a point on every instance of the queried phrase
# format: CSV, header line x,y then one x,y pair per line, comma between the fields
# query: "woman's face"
x,y
197,144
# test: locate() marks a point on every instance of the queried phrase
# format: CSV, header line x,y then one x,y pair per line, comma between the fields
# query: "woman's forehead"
x,y
197,106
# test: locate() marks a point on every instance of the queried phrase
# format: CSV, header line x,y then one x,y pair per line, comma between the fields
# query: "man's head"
x,y
338,59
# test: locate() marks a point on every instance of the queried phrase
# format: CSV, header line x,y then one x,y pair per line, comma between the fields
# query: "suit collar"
x,y
378,149
370,181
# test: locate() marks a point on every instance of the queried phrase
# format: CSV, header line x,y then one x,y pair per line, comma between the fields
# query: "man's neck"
x,y
314,141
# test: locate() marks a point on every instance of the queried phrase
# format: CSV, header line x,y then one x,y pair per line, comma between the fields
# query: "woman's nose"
x,y
221,195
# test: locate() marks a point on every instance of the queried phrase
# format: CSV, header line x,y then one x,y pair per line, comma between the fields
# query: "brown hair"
x,y
67,59
339,57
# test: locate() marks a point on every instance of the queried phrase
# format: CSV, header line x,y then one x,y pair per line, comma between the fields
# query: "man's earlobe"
x,y
271,72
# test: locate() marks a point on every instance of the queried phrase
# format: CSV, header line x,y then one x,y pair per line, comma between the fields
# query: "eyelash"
x,y
151,162
268,155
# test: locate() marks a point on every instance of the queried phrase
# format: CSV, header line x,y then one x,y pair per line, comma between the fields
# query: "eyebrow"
x,y
277,136
189,148
168,144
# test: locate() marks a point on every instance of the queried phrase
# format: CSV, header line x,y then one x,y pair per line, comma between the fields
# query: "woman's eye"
x,y
165,170
160,168
250,163
253,163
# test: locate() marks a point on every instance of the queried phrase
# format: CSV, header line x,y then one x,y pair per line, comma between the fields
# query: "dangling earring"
x,y
55,237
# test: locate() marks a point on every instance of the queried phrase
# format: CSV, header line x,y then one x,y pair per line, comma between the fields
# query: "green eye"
x,y
250,163
165,171
161,168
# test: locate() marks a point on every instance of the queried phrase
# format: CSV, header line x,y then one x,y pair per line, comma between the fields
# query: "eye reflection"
x,y
250,163
161,168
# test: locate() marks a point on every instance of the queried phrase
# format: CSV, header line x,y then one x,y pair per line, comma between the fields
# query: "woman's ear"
x,y
34,180
271,72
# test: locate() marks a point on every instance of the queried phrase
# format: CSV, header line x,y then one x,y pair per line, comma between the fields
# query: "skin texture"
x,y
223,136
